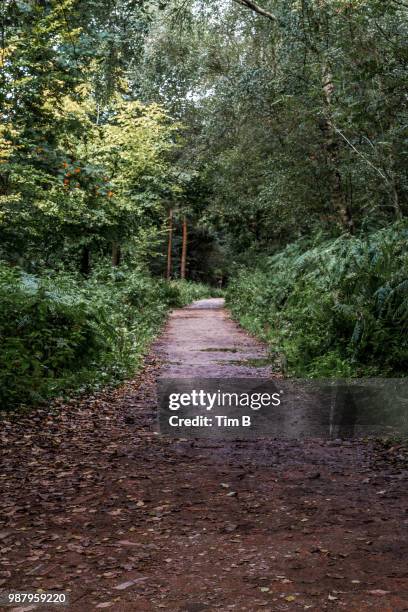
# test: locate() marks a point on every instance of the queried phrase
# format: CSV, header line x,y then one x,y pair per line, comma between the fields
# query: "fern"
x,y
338,302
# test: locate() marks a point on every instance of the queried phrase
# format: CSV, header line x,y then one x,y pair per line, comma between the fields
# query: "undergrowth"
x,y
61,334
338,308
190,291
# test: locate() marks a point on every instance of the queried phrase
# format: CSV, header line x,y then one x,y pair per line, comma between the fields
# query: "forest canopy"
x,y
264,123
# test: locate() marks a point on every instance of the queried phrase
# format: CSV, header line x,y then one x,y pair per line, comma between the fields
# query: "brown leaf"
x,y
129,583
115,512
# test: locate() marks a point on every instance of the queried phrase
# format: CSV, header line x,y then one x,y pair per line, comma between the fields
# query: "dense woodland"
x,y
258,147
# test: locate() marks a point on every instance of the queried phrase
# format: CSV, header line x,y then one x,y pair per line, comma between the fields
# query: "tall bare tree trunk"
x,y
184,250
332,147
116,254
169,245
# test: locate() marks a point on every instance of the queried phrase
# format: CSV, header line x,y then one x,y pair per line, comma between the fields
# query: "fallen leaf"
x,y
129,583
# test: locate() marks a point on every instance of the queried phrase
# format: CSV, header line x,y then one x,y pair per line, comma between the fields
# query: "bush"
x,y
60,334
42,337
336,309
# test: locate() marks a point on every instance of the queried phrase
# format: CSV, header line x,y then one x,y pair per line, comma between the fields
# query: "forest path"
x,y
202,340
96,504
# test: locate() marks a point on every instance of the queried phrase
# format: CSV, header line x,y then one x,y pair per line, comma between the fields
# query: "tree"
x,y
80,168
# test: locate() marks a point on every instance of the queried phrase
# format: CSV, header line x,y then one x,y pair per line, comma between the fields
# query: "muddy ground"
x,y
96,504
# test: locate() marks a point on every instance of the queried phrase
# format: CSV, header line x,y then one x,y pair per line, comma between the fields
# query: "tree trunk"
x,y
184,250
169,245
332,148
116,254
85,266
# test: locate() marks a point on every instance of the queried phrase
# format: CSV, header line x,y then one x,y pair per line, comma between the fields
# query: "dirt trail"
x,y
202,340
96,504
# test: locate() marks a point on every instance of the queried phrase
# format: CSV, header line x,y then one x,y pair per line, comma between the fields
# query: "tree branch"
x,y
380,172
257,9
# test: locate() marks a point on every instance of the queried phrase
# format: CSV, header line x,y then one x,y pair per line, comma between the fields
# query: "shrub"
x,y
60,334
339,308
43,335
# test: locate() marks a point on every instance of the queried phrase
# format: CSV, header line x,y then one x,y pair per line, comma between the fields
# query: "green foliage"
x,y
84,178
83,163
98,184
258,132
287,118
188,292
339,308
60,333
